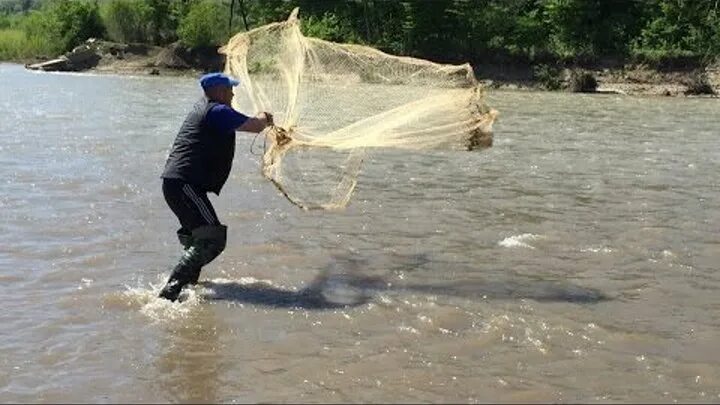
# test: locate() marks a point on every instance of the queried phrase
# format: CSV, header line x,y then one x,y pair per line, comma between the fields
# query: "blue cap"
x,y
217,79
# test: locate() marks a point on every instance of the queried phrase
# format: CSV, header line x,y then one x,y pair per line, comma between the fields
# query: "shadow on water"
x,y
542,291
259,293
346,283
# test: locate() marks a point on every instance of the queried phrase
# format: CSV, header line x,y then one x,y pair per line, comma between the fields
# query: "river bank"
x,y
617,78
133,59
178,60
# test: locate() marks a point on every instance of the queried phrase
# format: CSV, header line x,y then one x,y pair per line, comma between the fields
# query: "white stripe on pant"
x,y
204,211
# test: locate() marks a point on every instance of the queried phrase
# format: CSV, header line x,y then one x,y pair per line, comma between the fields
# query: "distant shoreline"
x,y
178,61
633,80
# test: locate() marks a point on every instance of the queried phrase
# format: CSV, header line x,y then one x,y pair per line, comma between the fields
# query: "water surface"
x,y
575,261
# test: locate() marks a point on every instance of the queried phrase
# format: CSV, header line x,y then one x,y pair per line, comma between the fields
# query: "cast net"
x,y
332,102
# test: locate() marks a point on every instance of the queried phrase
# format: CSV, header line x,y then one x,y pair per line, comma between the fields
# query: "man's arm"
x,y
224,118
257,123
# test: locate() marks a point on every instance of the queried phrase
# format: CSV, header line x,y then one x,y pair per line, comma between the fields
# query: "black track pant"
x,y
200,233
190,205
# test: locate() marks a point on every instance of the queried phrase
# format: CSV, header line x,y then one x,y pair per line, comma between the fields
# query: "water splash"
x,y
145,299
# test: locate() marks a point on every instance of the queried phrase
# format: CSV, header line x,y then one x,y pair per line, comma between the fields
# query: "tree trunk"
x,y
232,11
243,12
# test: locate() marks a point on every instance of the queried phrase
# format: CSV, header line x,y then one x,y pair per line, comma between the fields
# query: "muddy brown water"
x,y
575,261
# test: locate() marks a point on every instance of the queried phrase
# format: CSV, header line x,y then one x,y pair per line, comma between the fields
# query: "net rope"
x,y
332,102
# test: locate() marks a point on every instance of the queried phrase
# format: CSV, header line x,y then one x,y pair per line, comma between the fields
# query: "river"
x,y
574,261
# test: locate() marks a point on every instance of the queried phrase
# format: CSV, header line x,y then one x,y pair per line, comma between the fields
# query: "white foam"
x,y
594,249
519,241
145,298
85,283
242,280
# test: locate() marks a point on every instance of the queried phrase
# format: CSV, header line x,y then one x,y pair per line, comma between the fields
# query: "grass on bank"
x,y
15,45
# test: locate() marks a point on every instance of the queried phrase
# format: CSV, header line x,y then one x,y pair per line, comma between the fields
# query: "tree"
x,y
65,24
203,25
128,20
592,27
681,28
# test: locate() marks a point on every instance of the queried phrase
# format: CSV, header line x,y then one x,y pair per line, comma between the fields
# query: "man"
x,y
200,162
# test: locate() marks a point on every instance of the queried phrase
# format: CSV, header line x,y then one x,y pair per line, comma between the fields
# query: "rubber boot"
x,y
186,239
213,240
207,243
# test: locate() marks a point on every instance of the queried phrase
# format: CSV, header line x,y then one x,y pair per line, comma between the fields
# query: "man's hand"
x,y
269,119
257,123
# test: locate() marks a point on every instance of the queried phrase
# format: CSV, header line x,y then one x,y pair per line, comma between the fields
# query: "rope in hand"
x,y
281,138
253,144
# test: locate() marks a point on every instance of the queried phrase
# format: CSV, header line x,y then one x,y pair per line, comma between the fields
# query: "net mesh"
x,y
331,102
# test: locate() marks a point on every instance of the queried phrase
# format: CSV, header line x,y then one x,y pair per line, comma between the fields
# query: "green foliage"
x,y
550,77
149,21
591,27
17,6
203,25
262,67
127,20
535,31
329,27
15,45
681,28
539,31
163,20
529,35
64,24
7,21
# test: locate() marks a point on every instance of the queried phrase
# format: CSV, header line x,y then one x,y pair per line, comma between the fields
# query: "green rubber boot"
x,y
186,240
207,243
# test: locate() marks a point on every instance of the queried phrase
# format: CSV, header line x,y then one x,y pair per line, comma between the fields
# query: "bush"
x,y
127,20
164,17
42,26
203,25
549,77
64,24
582,82
699,85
